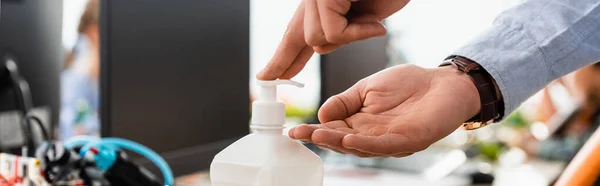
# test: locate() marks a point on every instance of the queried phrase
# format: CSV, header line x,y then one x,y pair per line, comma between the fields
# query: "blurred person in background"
x,y
79,79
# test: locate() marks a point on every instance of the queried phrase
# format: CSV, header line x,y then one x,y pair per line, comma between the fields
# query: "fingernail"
x,y
291,134
344,143
259,74
347,135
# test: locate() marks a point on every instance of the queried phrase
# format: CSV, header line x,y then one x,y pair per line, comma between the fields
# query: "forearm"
x,y
535,42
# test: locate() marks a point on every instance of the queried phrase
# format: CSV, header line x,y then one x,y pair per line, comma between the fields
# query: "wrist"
x,y
468,90
491,103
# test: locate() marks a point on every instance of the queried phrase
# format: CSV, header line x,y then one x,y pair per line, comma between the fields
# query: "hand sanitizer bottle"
x,y
267,157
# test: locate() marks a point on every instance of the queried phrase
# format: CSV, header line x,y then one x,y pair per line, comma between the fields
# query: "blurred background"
x,y
178,76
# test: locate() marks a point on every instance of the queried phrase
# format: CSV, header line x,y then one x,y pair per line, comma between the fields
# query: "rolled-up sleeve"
x,y
536,42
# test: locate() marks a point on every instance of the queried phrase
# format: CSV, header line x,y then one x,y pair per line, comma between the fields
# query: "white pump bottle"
x,y
267,157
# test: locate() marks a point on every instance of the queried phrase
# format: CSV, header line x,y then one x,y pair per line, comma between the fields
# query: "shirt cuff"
x,y
512,59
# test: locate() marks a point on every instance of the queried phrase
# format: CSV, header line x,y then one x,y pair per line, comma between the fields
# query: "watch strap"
x,y
491,101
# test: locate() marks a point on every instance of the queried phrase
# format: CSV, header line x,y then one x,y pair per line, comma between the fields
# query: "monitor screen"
x,y
174,76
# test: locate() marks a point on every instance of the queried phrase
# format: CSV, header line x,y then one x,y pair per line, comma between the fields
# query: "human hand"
x,y
323,26
394,113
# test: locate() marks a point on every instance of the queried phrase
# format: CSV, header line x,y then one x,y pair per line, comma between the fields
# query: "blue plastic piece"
x,y
135,147
83,151
105,158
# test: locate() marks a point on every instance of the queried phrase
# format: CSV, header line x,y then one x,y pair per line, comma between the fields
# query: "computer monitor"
x,y
175,76
30,35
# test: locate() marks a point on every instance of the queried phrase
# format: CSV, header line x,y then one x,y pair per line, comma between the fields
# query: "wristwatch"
x,y
492,104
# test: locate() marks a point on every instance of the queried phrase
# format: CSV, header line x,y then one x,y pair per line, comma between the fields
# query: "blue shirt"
x,y
79,105
536,42
79,96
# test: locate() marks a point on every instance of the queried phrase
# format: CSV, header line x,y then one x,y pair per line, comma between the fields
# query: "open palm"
x,y
395,112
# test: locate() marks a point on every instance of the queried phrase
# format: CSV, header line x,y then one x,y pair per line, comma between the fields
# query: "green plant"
x,y
516,120
297,112
490,151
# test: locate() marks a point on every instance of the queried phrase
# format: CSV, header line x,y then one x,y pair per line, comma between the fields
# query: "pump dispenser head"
x,y
267,111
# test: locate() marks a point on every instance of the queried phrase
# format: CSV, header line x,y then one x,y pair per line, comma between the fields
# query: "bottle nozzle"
x,y
269,88
265,83
267,111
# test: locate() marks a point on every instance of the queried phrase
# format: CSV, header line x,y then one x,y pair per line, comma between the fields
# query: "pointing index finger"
x,y
289,49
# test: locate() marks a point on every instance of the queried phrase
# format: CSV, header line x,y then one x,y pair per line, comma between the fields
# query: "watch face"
x,y
476,125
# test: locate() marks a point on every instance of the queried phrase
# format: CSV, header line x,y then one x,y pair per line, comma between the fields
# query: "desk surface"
x,y
335,176
531,174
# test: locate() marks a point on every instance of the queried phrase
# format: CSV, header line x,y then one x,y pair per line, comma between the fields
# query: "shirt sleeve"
x,y
536,42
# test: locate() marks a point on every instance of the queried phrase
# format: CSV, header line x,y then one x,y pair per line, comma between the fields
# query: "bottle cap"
x,y
267,110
